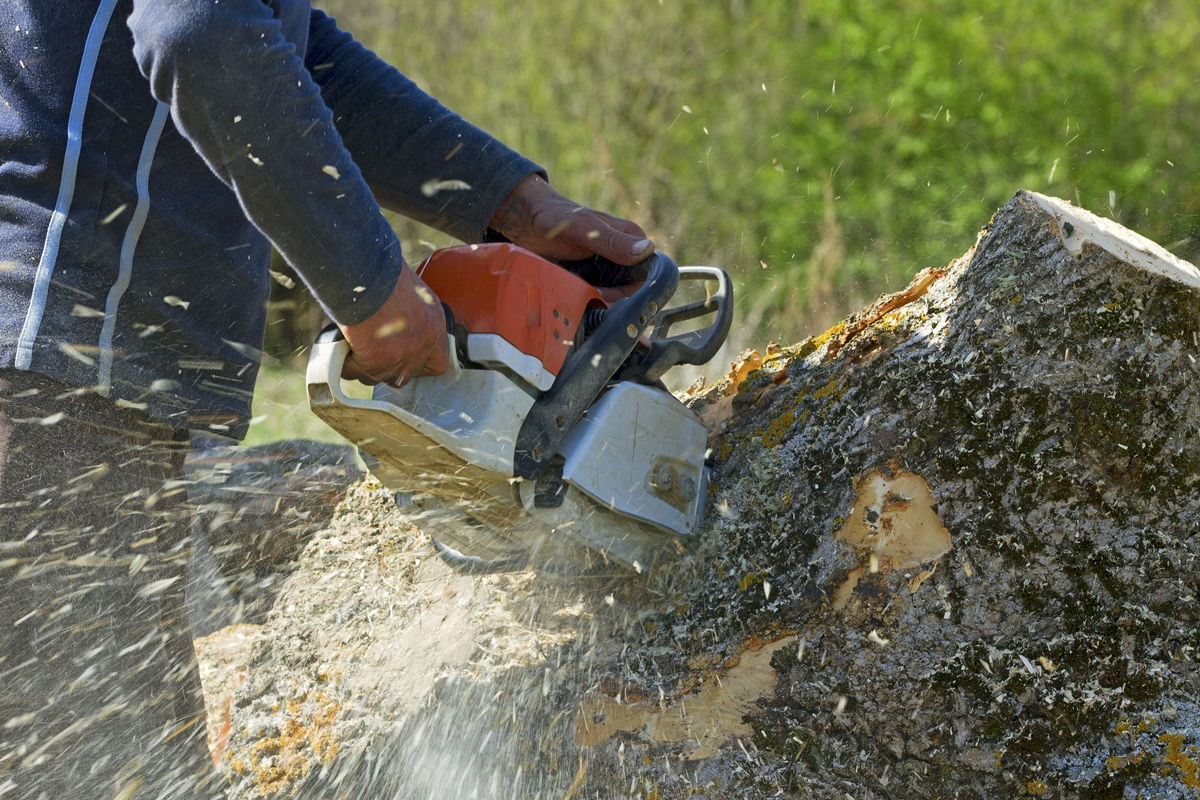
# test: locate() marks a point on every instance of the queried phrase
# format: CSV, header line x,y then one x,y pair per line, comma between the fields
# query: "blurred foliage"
x,y
281,408
823,151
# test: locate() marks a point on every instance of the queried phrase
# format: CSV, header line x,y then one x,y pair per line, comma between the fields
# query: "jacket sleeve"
x,y
419,158
240,93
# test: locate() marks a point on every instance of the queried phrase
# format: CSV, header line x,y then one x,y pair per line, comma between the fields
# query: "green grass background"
x,y
281,407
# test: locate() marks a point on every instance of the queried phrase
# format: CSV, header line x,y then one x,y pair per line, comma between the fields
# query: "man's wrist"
x,y
512,215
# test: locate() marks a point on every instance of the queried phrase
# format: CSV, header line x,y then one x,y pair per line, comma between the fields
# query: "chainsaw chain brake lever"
x,y
586,373
693,347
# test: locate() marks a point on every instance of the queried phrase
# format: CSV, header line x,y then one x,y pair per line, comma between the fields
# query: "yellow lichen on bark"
x,y
281,761
1176,757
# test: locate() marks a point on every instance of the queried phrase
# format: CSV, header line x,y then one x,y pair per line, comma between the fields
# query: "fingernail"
x,y
639,247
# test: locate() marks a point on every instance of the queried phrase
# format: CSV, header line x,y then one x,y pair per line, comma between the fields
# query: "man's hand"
x,y
403,340
538,218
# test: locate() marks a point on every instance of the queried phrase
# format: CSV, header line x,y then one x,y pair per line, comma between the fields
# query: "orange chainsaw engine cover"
x,y
534,305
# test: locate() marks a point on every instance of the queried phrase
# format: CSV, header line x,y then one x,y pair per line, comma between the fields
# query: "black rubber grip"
x,y
596,270
599,271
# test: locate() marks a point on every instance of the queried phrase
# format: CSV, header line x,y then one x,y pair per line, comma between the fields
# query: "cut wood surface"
x,y
950,552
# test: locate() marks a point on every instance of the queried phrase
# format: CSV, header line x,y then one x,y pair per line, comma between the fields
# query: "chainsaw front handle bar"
x,y
693,347
586,373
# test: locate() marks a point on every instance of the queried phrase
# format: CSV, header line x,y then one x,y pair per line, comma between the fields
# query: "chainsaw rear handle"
x,y
586,373
330,351
694,347
332,333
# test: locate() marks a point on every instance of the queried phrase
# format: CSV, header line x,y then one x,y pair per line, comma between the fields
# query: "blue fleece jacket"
x,y
152,150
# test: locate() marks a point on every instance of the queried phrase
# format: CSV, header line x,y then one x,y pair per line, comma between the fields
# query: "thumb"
x,y
621,248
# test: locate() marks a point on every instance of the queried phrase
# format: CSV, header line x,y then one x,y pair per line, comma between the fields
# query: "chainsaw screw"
x,y
689,489
560,422
632,331
653,307
662,476
536,453
642,319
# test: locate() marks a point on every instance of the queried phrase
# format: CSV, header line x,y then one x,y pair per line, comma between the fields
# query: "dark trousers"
x,y
99,690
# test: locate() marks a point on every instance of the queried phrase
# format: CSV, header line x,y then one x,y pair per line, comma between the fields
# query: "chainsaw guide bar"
x,y
550,442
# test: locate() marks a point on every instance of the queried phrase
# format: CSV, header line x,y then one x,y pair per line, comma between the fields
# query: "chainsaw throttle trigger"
x,y
458,338
588,371
693,347
330,333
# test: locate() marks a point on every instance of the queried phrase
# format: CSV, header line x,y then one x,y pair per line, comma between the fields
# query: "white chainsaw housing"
x,y
494,351
633,467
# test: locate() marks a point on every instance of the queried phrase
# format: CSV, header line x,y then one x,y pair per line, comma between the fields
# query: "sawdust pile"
x,y
951,551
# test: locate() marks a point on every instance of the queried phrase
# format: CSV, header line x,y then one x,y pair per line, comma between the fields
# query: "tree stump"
x,y
951,552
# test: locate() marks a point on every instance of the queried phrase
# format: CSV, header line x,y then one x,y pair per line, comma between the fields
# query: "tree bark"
x,y
950,553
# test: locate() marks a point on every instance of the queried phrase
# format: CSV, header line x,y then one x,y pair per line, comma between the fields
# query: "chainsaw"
x,y
551,442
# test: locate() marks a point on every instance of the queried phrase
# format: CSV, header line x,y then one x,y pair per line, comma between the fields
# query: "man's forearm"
x,y
419,158
240,93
